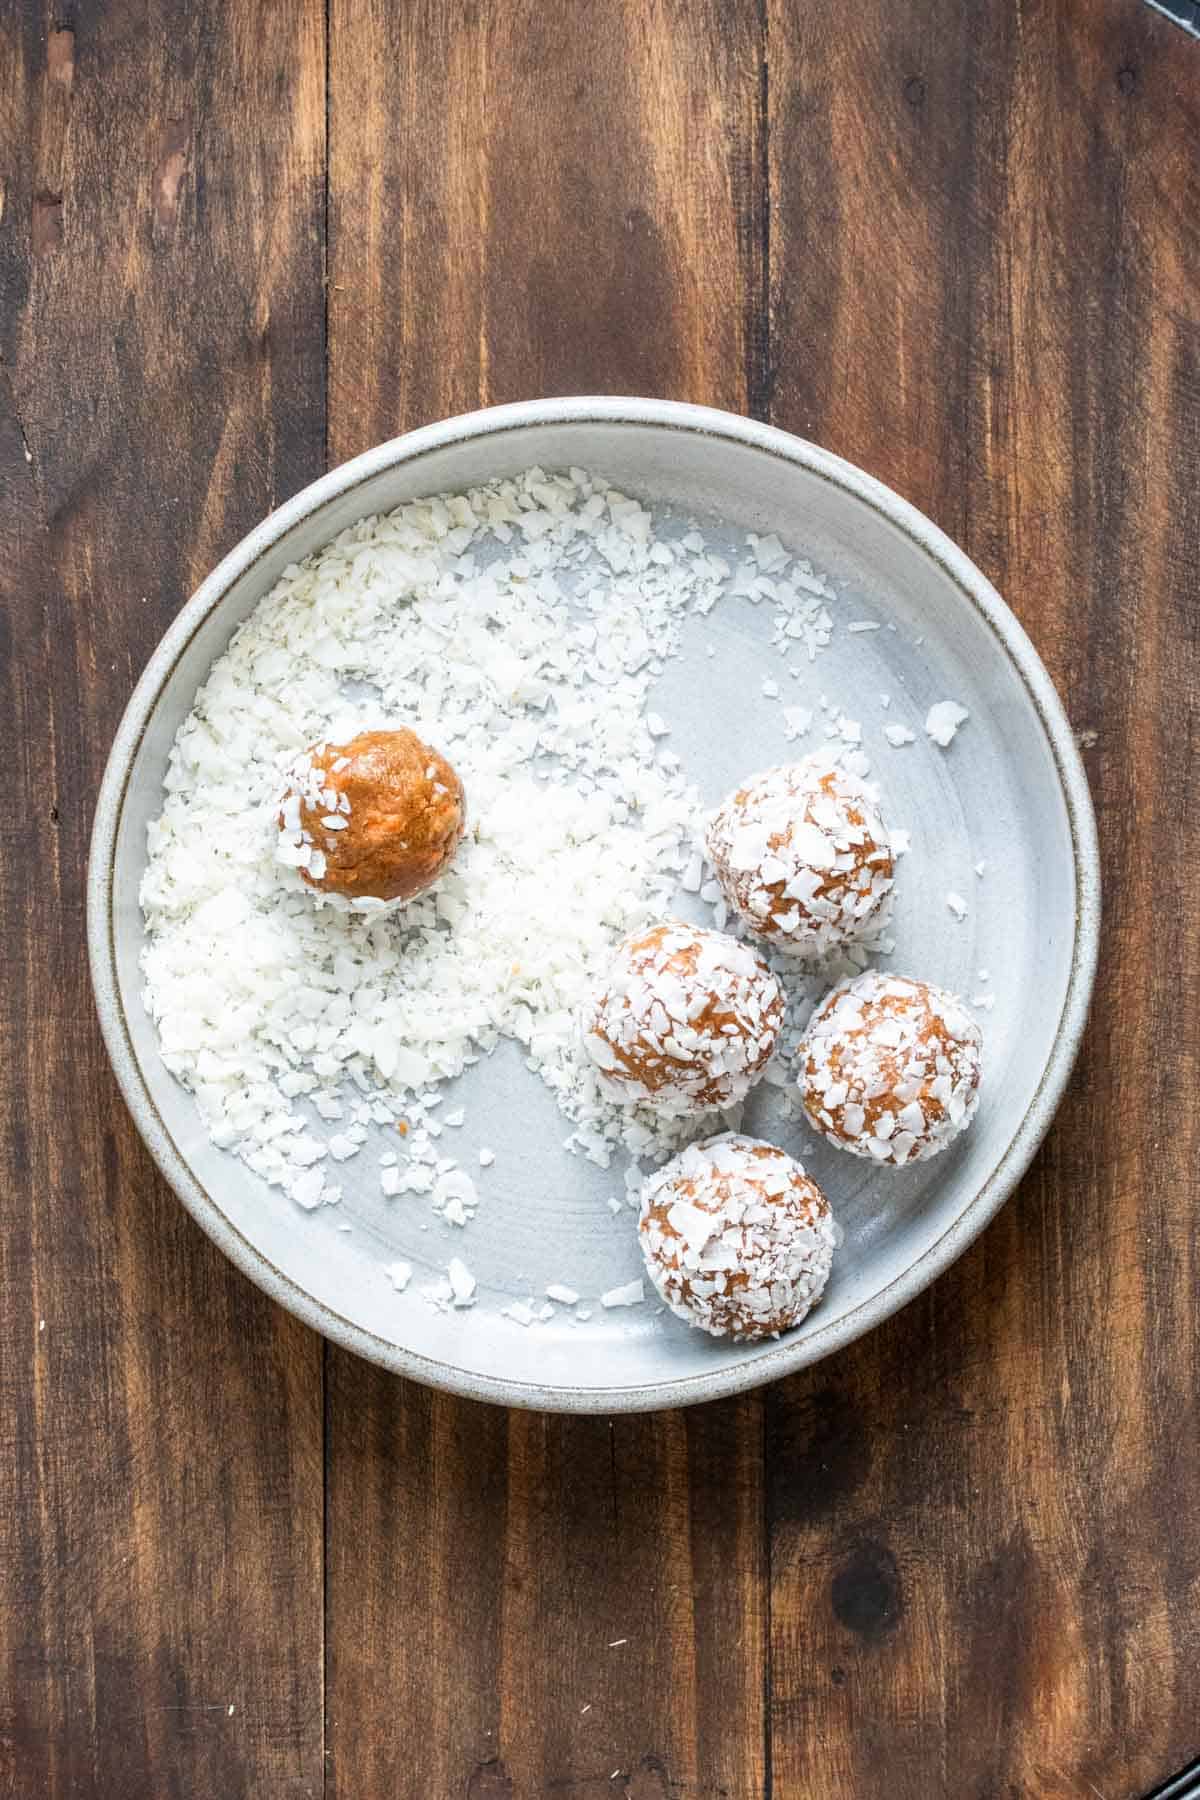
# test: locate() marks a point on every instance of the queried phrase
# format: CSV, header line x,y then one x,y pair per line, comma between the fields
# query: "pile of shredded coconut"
x,y
519,629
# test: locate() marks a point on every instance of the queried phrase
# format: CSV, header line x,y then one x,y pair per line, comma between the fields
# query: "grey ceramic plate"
x,y
1010,792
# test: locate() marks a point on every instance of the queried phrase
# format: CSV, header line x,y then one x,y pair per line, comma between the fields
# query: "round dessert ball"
x,y
375,820
686,1020
736,1237
802,855
890,1067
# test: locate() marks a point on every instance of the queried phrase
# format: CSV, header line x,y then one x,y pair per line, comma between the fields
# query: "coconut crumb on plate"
x,y
943,720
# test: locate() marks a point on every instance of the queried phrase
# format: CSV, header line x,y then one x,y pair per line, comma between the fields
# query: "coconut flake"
x,y
462,1282
943,720
631,1294
566,1296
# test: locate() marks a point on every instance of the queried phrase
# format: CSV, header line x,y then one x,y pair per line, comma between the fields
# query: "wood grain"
x,y
985,1561
526,200
161,316
529,199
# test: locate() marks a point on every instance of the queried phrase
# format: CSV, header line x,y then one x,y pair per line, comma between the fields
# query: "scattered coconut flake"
x,y
518,1311
631,1294
957,904
898,735
399,1274
486,1158
566,1296
462,1282
863,625
943,720
984,1002
901,840
307,1188
438,1295
979,869
770,689
692,878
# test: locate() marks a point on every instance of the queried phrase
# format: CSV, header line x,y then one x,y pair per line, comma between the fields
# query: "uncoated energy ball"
x,y
375,820
802,855
685,1021
736,1238
890,1067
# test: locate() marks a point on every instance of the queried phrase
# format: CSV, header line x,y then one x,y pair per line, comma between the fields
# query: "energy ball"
x,y
802,855
375,820
685,1021
736,1237
890,1067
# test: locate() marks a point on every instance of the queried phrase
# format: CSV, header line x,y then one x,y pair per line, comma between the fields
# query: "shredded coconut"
x,y
462,1282
943,720
736,1238
566,1296
631,1294
518,627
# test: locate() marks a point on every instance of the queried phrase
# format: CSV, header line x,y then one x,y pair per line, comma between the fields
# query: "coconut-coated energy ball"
x,y
374,820
802,855
890,1067
736,1238
685,1020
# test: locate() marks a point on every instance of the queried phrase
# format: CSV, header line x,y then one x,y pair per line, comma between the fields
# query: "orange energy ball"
x,y
890,1067
686,1020
375,820
736,1238
802,855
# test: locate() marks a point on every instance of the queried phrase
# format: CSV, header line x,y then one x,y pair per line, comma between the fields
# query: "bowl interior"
x,y
995,798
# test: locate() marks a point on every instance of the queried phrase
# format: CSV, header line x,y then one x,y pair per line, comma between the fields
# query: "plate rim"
x,y
780,1358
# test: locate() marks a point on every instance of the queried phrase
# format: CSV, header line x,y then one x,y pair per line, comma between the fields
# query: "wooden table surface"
x,y
956,242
